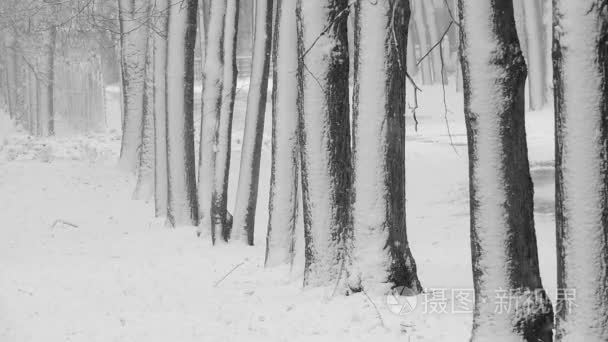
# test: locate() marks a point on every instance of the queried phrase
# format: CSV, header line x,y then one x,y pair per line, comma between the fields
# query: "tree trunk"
x,y
425,65
12,80
325,137
132,59
580,58
529,23
249,171
144,189
503,240
536,55
213,81
381,252
182,208
286,105
50,79
221,219
160,109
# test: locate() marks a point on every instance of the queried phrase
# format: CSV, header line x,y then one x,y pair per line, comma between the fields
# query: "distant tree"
x,y
503,239
580,59
381,253
286,106
182,207
529,20
249,171
159,42
423,42
325,137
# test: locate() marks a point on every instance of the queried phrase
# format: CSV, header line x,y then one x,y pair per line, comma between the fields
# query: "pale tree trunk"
x,y
43,113
431,26
32,102
325,138
12,76
221,219
213,80
425,65
503,239
50,78
536,54
182,207
529,23
132,58
381,252
249,171
286,92
160,109
144,188
580,59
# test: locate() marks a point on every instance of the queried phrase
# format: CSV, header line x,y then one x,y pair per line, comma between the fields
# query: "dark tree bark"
x,y
249,172
580,60
379,223
503,240
325,137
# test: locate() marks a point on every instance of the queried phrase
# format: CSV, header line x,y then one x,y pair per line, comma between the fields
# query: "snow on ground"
x,y
81,261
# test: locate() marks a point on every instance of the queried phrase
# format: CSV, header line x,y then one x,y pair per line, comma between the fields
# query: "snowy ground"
x,y
119,275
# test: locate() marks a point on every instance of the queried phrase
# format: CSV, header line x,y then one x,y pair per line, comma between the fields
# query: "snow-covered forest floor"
x,y
81,261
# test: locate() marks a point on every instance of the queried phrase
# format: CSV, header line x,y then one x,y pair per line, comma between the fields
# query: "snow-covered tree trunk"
x,y
160,108
182,207
380,248
221,219
325,137
286,92
580,59
144,188
213,80
132,58
503,240
249,171
424,46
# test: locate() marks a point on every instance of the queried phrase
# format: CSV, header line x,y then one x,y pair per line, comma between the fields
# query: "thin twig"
x,y
227,274
375,308
445,104
65,223
436,44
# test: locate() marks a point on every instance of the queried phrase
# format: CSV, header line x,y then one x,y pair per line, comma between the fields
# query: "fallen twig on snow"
x,y
227,274
65,223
